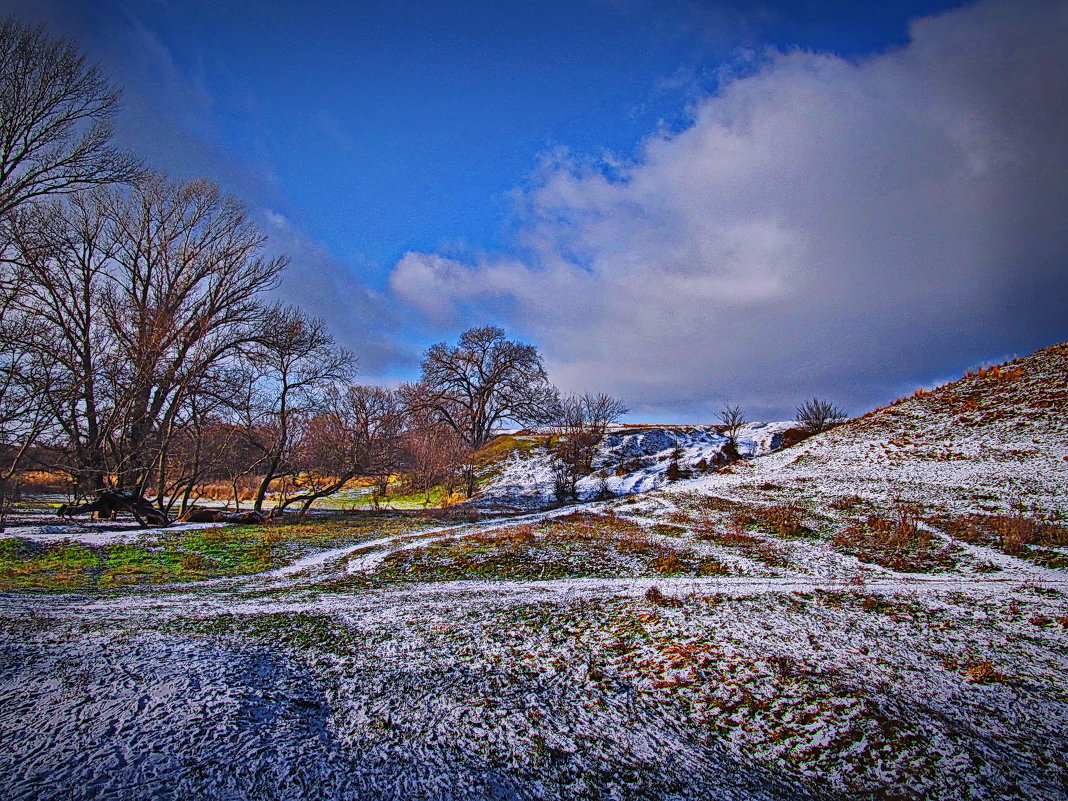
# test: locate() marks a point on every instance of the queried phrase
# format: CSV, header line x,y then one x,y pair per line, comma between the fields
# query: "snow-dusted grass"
x,y
887,618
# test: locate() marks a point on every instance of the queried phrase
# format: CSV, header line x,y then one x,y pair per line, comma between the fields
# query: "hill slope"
x,y
879,612
991,440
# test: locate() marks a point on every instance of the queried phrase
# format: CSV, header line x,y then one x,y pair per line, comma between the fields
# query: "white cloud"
x,y
822,226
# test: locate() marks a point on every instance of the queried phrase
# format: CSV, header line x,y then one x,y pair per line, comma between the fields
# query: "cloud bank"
x,y
823,226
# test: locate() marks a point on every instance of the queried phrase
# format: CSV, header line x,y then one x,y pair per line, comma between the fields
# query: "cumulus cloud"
x,y
823,226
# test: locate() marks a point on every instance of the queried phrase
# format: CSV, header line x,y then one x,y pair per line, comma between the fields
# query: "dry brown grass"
x,y
43,482
982,671
751,546
520,535
846,503
654,596
897,541
785,519
1011,533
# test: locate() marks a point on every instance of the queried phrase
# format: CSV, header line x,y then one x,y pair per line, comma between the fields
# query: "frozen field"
x,y
879,612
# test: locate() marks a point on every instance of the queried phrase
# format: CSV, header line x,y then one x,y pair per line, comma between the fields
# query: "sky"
x,y
681,203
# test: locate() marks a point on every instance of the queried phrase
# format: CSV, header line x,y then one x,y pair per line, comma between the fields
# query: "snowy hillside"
x,y
629,460
990,442
878,612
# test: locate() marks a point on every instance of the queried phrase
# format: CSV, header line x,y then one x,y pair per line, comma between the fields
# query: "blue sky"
x,y
577,172
392,127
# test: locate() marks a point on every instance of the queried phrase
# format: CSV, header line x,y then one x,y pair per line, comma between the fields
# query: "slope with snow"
x,y
630,459
818,622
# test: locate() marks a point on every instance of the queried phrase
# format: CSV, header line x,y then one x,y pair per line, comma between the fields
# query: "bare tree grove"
x,y
143,356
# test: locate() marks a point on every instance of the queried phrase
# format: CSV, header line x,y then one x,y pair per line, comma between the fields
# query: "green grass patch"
x,y
184,555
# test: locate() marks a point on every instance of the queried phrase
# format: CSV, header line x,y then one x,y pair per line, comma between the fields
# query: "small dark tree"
x,y
581,423
732,418
816,415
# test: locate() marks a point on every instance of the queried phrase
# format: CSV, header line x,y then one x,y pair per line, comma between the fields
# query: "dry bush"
x,y
710,567
982,671
896,541
520,535
636,545
899,531
846,503
785,519
654,596
668,564
1011,533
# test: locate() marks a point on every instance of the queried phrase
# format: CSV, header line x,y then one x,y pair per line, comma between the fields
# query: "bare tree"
x,y
143,297
295,366
732,419
581,423
55,125
26,385
482,382
55,119
816,415
357,435
63,252
434,454
189,276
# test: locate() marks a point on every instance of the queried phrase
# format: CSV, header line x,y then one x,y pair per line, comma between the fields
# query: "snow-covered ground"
x,y
713,638
629,460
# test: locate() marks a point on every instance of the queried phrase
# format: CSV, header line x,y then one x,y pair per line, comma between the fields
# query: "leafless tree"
x,y
63,252
25,385
732,419
206,448
486,379
816,415
295,366
433,453
580,425
55,119
357,435
186,296
143,296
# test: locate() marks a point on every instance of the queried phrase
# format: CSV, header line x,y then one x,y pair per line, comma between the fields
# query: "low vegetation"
x,y
899,541
181,556
1016,534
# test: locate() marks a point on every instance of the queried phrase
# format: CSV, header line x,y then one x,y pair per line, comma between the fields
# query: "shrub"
x,y
896,541
816,415
654,596
784,519
1011,533
668,564
981,671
